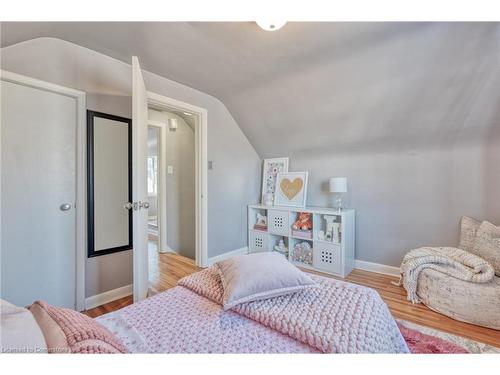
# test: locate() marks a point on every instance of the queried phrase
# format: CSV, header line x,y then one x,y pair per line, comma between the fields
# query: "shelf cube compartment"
x,y
274,241
278,222
253,214
301,254
305,234
328,228
327,257
258,241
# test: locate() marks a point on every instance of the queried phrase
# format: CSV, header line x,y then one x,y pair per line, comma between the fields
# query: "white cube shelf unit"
x,y
335,256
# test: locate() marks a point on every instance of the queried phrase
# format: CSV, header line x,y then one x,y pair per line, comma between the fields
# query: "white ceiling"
x,y
311,87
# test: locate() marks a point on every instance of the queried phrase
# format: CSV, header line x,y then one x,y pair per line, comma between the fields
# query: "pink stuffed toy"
x,y
303,222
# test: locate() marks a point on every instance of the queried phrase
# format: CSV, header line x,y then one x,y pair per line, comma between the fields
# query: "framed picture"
x,y
270,171
291,189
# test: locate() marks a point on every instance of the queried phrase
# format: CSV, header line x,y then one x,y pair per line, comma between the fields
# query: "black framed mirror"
x,y
109,183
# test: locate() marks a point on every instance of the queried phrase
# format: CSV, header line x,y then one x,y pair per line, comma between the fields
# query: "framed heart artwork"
x,y
291,189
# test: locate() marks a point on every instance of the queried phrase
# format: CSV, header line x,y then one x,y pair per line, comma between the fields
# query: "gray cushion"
x,y
253,277
487,244
468,229
476,303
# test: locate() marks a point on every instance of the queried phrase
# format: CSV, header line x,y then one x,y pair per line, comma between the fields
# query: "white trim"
x,y
109,296
358,264
201,169
81,180
376,267
168,249
232,253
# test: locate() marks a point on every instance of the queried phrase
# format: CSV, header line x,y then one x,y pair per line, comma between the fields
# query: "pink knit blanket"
x,y
337,317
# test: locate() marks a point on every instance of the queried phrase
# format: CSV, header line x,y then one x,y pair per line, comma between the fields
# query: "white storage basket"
x,y
258,241
278,222
327,257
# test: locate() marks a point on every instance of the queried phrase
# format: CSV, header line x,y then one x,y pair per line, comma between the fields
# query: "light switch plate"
x,y
170,169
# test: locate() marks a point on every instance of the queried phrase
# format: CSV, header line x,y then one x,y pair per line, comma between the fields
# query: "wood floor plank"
x,y
167,268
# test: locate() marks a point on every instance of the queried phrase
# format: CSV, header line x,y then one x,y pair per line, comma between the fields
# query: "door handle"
x,y
136,205
65,207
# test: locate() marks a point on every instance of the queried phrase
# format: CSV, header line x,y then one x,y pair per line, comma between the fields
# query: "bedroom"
x,y
324,159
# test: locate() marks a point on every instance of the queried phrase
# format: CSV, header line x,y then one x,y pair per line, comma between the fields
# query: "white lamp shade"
x,y
338,185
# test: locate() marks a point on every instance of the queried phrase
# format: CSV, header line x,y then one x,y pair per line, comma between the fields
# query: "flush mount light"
x,y
271,25
172,124
187,113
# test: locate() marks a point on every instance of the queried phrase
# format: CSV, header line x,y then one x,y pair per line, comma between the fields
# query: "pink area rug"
x,y
424,340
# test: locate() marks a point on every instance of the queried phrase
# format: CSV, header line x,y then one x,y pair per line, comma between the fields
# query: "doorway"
x,y
171,190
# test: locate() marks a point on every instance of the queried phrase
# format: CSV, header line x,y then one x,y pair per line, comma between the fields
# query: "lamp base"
x,y
338,202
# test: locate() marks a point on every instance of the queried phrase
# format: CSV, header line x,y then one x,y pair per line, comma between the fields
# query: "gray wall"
x,y
491,168
231,184
410,115
407,111
405,200
108,272
180,204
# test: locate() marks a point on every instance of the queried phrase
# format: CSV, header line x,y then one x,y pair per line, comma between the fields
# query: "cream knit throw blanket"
x,y
448,260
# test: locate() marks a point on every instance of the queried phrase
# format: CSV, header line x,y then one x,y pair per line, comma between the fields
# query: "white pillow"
x,y
20,332
253,277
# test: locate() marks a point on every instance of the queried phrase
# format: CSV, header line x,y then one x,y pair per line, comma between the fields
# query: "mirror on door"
x,y
109,189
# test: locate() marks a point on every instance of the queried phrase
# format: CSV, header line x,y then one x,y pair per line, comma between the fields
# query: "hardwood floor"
x,y
167,268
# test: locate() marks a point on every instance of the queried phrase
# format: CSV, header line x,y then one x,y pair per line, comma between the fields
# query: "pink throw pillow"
x,y
83,334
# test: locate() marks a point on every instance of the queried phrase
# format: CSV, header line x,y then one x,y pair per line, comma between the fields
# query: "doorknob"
x,y
65,207
136,205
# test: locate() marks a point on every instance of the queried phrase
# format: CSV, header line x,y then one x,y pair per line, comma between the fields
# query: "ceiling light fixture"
x,y
187,113
270,25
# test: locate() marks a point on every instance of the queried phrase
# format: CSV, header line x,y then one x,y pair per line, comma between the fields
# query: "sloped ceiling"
x,y
313,87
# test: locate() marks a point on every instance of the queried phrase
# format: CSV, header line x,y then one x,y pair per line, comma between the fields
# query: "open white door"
x,y
139,178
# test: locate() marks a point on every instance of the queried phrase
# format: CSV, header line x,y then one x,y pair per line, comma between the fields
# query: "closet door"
x,y
38,195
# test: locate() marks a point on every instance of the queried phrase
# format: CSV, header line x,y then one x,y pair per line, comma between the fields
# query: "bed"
x,y
246,304
190,319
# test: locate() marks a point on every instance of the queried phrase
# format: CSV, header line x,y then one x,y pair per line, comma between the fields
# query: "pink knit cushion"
x,y
83,334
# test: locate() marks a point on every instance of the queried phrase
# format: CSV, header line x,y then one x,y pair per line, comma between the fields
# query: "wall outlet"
x,y
210,164
170,169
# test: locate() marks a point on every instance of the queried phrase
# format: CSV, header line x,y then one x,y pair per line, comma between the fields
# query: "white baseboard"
x,y
110,295
168,250
376,267
358,264
218,258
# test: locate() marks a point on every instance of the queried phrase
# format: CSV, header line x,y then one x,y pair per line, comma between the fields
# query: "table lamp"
x,y
338,185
